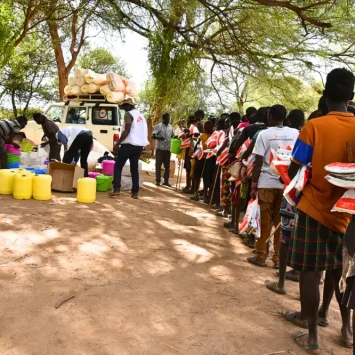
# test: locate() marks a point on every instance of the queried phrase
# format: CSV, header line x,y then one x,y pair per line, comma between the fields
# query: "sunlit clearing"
x,y
221,273
116,242
158,267
163,329
95,247
191,252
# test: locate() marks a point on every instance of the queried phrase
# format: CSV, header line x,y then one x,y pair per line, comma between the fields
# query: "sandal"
x,y
346,342
292,275
323,322
255,261
301,339
274,287
294,318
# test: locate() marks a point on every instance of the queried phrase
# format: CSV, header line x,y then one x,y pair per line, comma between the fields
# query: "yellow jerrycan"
x,y
86,190
42,190
23,186
6,181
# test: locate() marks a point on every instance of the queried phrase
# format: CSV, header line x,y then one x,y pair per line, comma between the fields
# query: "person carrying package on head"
x,y
317,238
130,146
163,132
50,130
8,129
77,142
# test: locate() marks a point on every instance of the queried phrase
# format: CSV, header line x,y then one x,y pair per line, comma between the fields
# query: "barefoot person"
x,y
295,120
267,185
317,239
130,145
8,128
163,133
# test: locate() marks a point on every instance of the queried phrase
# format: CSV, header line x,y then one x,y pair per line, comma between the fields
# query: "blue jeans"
x,y
131,152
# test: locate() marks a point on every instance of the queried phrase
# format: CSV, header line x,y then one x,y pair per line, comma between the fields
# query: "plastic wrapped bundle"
x,y
85,89
80,81
72,81
116,82
115,97
94,78
72,90
93,88
131,89
105,90
80,73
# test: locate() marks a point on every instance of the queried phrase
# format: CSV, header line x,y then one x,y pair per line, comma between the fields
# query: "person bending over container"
x,y
50,130
8,129
77,142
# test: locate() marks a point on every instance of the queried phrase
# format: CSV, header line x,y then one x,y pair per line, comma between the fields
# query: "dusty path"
x,y
153,276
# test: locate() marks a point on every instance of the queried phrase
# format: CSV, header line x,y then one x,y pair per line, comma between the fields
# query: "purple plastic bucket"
x,y
93,175
108,167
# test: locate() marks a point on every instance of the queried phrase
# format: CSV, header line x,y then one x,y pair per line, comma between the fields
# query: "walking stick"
x,y
273,233
178,176
214,187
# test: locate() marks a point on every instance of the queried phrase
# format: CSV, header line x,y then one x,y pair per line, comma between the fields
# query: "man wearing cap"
x,y
130,145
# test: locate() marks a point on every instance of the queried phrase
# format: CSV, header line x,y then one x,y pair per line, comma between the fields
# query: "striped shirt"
x,y
7,127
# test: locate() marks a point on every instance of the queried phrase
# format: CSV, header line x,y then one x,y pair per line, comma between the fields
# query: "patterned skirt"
x,y
313,246
225,187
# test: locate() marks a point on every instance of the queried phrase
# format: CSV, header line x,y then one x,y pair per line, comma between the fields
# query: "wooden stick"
x,y
181,170
214,187
272,234
178,176
66,299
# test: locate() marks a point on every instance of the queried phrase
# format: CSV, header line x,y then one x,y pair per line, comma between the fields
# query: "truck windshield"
x,y
105,116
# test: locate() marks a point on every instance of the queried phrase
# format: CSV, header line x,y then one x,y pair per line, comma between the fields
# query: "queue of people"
x,y
308,237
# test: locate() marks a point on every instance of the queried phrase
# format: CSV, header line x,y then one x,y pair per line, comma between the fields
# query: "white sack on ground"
x,y
99,148
105,90
126,171
80,81
72,81
116,82
93,88
92,159
85,89
80,73
126,183
115,97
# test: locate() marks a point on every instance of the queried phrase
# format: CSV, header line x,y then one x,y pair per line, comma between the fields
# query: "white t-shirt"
x,y
272,138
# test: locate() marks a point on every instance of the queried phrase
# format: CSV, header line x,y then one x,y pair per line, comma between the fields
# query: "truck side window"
x,y
76,115
105,116
55,113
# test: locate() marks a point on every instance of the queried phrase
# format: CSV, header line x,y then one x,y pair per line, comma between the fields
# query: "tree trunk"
x,y
13,102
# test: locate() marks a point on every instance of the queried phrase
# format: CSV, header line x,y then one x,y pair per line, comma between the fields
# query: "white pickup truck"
x,y
103,119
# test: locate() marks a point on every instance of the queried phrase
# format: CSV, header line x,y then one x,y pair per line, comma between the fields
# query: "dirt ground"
x,y
157,275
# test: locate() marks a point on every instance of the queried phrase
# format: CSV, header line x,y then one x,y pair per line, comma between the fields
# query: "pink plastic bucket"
x,y
11,149
108,167
93,175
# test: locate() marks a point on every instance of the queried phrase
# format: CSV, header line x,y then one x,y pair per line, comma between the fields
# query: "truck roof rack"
x,y
85,98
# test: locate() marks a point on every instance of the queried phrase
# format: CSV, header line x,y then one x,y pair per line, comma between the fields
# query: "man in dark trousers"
x,y
163,133
50,130
130,146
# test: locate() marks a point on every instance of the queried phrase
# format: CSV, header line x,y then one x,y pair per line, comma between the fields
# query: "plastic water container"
x,y
23,186
103,183
15,165
175,146
27,145
40,171
108,167
6,181
92,175
10,148
42,190
86,190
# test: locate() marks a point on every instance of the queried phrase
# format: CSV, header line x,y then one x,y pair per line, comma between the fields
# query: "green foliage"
x,y
100,60
288,91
